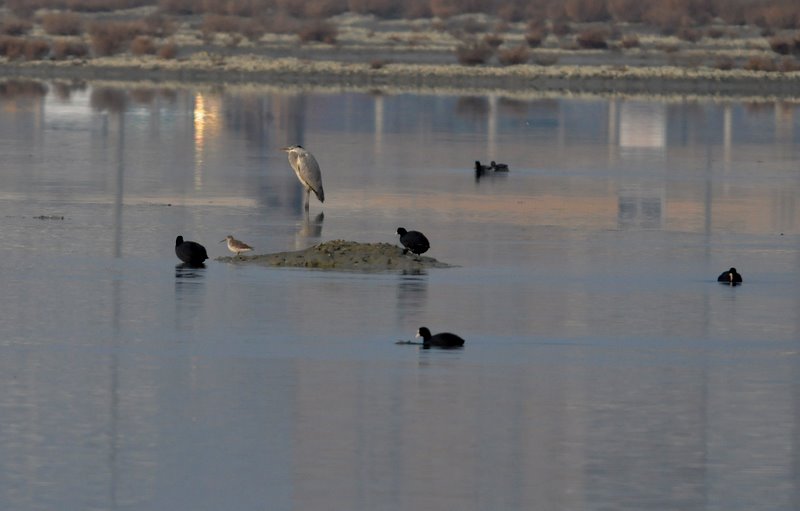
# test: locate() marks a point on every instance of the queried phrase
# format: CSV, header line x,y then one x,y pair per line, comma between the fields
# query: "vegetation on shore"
x,y
752,35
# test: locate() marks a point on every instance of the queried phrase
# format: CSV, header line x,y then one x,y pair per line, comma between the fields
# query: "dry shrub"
x,y
667,47
29,6
731,12
444,8
64,48
715,32
233,40
414,9
665,16
689,34
15,26
468,24
511,12
319,31
534,37
36,49
630,41
15,48
493,40
143,45
377,63
110,37
782,15
514,56
323,8
630,11
168,51
561,27
104,5
724,63
282,24
545,59
593,38
180,7
62,23
760,64
788,65
380,8
217,23
782,45
473,53
12,47
253,29
586,10
157,25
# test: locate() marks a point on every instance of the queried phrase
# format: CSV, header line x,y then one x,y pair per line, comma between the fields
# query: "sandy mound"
x,y
343,255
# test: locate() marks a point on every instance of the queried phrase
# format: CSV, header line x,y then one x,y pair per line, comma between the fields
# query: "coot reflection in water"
x,y
189,271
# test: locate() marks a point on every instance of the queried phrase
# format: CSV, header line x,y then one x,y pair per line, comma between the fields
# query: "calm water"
x,y
604,367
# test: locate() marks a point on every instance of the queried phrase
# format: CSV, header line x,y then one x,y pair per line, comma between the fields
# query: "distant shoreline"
x,y
292,72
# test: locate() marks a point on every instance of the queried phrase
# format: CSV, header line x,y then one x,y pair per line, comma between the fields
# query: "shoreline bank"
x,y
291,72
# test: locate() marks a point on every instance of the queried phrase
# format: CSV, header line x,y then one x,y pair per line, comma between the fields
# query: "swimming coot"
x,y
190,252
731,277
236,246
413,241
499,167
481,169
440,340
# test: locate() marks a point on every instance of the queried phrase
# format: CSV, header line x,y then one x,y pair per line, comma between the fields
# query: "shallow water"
x,y
604,367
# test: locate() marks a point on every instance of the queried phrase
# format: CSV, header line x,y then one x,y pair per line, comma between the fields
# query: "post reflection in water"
x,y
604,367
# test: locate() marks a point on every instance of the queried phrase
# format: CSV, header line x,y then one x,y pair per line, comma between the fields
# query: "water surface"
x,y
604,367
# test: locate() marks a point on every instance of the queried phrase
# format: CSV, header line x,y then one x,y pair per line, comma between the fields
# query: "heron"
x,y
440,340
190,252
236,246
307,170
413,241
731,277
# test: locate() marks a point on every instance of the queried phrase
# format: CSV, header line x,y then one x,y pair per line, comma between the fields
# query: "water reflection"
x,y
412,297
309,229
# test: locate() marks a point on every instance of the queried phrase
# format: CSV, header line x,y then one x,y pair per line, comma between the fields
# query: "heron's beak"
x,y
286,149
417,336
223,241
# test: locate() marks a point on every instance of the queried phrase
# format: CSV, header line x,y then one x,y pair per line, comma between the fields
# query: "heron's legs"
x,y
308,199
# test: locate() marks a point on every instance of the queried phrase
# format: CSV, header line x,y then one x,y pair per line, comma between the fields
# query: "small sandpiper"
x,y
236,246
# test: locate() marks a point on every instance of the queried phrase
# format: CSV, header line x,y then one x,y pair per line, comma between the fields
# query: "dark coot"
x,y
440,340
414,241
499,167
731,277
190,252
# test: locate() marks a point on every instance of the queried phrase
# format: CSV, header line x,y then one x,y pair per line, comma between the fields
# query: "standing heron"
x,y
307,170
236,246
